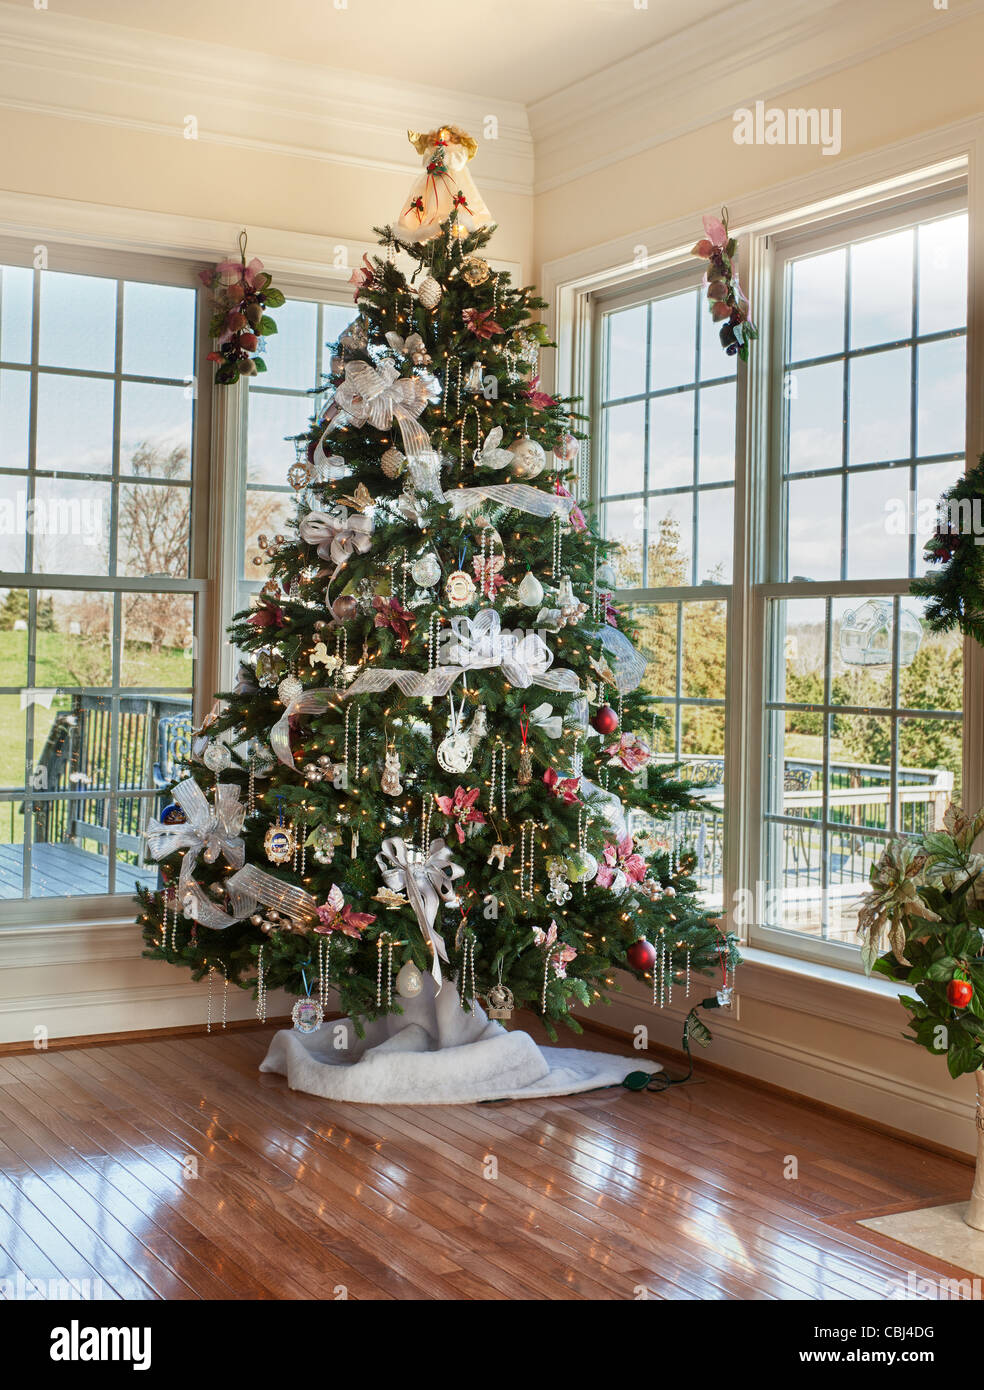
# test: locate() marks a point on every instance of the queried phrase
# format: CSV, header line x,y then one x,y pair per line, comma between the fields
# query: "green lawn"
x,y
59,657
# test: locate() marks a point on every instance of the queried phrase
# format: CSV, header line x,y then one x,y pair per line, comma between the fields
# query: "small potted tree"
x,y
927,899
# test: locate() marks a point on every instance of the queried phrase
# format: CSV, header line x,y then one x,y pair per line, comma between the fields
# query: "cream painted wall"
x,y
122,166
885,100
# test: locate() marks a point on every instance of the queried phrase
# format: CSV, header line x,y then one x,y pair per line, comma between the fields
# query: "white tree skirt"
x,y
436,1053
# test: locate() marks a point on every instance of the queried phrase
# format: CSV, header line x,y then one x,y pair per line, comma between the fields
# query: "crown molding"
x,y
667,90
83,70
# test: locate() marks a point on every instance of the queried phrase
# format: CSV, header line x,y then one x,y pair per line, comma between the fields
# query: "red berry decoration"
x,y
641,955
959,993
605,720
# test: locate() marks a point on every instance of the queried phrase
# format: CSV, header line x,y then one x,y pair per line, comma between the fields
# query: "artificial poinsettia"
x,y
480,322
539,400
621,859
565,787
461,809
631,752
335,915
391,613
894,899
361,277
560,959
267,615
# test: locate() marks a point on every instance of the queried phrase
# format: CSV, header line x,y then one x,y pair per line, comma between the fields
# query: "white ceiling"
x,y
519,50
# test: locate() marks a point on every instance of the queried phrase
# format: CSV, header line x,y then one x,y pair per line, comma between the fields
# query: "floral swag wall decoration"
x,y
241,294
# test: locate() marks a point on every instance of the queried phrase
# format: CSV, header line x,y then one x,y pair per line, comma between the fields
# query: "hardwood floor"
x,y
600,1196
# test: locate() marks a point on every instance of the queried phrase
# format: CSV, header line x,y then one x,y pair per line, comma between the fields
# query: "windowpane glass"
x,y
16,313
878,401
671,440
15,419
155,430
625,436
13,523
75,424
813,529
716,435
78,321
626,355
877,548
273,420
715,536
156,646
943,275
72,524
817,298
673,341
154,530
880,315
816,414
158,330
942,376
670,539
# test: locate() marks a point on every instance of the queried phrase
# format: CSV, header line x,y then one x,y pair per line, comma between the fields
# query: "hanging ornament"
x,y
478,728
581,866
455,752
390,780
560,892
172,814
605,720
289,689
217,757
307,1015
530,591
568,448
344,608
393,463
474,270
528,457
426,571
606,578
525,774
409,982
325,840
278,842
429,292
500,1002
474,382
641,955
459,589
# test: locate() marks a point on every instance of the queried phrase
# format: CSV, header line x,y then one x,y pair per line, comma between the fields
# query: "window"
x,y
277,406
101,591
863,726
666,491
837,723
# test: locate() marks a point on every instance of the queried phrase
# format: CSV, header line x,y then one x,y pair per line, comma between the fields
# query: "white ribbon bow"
x,y
524,658
338,534
209,829
245,889
544,718
379,395
426,883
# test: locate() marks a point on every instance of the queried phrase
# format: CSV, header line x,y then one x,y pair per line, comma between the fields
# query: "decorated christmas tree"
x,y
436,773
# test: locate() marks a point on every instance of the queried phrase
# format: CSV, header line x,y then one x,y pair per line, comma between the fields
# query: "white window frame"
x,y
901,175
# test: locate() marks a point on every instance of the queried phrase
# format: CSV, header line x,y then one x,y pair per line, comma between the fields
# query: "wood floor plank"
x,y
683,1195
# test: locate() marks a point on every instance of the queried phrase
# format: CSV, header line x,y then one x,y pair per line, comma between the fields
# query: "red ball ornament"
x,y
959,993
605,720
641,955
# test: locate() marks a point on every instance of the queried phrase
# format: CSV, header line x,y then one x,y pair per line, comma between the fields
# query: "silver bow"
x,y
426,883
524,657
535,501
338,534
379,395
308,702
544,718
245,889
209,829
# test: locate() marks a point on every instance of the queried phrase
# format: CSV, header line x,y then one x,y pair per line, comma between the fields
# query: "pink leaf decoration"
x,y
716,232
704,249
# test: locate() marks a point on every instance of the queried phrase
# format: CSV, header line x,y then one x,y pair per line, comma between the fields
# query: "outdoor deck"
x,y
61,870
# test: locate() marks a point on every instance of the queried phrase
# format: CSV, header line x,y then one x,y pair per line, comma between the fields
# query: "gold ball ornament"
x,y
393,463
